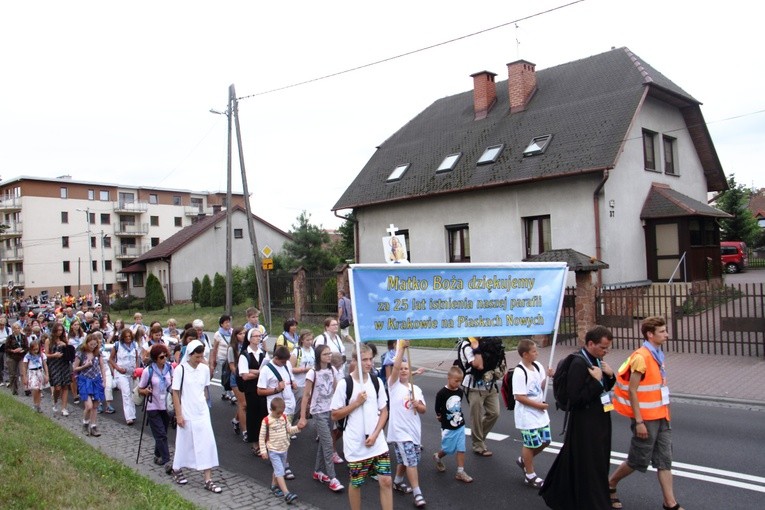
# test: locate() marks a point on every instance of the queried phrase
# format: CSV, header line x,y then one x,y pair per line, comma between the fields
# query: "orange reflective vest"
x,y
649,391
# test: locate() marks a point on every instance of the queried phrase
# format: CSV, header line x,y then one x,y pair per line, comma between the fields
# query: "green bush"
x,y
123,303
218,295
155,296
196,286
205,291
237,286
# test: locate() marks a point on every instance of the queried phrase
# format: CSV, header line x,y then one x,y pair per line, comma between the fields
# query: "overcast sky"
x,y
120,92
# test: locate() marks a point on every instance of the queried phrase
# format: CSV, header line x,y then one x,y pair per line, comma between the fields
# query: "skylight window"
x,y
398,172
537,146
449,163
491,154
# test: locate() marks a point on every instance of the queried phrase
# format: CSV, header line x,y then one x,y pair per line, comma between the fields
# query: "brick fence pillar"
x,y
342,279
299,292
585,304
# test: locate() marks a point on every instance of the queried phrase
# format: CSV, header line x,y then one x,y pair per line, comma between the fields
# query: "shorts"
x,y
232,381
656,449
535,438
453,441
407,453
359,470
278,462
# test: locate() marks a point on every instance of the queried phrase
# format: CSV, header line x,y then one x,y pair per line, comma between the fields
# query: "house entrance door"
x,y
667,251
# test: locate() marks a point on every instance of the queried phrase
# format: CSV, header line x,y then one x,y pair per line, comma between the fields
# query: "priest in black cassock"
x,y
578,478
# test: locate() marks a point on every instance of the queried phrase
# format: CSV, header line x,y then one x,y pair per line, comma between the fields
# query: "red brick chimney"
x,y
484,93
521,84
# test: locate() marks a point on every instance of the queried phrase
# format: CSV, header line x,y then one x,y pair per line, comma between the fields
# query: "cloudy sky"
x,y
120,92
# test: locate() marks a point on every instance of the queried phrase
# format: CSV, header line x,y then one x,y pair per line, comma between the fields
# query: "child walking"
x,y
34,372
274,442
530,413
404,425
449,413
90,380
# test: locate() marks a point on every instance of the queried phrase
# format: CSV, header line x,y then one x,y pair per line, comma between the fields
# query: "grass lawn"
x,y
45,466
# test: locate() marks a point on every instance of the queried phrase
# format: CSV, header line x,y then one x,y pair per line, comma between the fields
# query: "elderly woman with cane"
x,y
195,446
155,386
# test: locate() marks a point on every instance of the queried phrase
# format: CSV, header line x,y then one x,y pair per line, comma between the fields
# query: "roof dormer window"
x,y
398,172
537,146
491,154
449,162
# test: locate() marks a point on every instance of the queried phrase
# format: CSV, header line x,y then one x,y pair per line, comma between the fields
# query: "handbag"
x,y
138,399
344,323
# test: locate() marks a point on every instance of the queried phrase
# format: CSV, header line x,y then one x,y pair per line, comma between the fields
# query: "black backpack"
x,y
349,391
493,353
507,384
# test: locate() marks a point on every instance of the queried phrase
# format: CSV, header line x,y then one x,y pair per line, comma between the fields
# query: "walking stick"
x,y
143,424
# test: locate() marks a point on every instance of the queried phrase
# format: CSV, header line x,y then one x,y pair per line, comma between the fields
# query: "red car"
x,y
733,255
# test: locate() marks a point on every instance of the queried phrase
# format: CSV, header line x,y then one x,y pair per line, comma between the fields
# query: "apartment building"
x,y
65,235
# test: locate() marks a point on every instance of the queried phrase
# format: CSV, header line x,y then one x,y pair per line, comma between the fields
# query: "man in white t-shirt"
x,y
364,440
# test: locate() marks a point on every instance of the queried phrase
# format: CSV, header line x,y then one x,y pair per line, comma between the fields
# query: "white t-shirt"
x,y
528,418
267,379
223,341
358,427
335,343
306,358
404,423
323,389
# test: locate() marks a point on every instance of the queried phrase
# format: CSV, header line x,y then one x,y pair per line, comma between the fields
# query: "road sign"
x,y
267,251
268,264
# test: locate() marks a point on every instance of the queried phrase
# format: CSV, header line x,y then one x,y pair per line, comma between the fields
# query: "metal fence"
x,y
282,295
567,326
705,318
321,293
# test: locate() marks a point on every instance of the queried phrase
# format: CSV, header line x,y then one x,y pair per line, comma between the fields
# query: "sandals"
x,y
210,486
535,482
402,487
288,474
676,507
290,497
419,501
276,491
255,451
483,453
179,478
616,502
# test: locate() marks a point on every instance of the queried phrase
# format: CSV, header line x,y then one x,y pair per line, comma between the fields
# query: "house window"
x,y
198,203
537,145
669,155
398,172
178,221
67,289
94,265
238,234
19,267
649,150
176,200
154,241
106,241
64,217
107,265
65,241
153,198
491,154
103,195
66,266
154,221
105,219
10,267
449,163
93,241
64,192
91,194
137,279
538,238
459,243
92,218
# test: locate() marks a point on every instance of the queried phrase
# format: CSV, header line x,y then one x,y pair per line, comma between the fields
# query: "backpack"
x,y
560,381
349,391
494,364
507,384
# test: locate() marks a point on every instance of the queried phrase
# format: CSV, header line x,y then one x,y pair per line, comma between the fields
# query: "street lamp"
x,y
90,253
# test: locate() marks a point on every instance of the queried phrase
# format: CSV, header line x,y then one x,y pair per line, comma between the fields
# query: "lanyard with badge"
x,y
605,397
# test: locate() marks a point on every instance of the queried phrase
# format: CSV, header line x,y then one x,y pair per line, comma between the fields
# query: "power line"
x,y
408,53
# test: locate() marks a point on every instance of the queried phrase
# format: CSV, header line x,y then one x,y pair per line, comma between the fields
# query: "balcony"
x,y
193,210
13,230
122,278
130,252
15,280
131,230
131,207
10,204
14,254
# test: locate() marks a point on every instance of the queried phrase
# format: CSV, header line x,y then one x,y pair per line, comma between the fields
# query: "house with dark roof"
x,y
605,156
200,249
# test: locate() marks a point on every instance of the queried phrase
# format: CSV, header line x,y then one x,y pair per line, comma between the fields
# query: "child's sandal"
x,y
210,486
276,491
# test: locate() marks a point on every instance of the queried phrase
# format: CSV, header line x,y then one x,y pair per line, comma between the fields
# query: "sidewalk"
x,y
689,375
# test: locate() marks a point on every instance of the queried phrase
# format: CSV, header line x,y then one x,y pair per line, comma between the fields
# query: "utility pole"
x,y
229,283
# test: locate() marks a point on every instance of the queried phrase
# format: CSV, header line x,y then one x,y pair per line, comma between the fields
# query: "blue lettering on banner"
x,y
418,301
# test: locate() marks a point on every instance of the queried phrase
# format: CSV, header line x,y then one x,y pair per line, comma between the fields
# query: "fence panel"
x,y
322,293
281,294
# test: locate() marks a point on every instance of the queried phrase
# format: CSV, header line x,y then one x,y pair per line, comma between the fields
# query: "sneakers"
x,y
335,485
64,412
337,459
233,400
321,477
245,437
55,408
76,400
100,409
94,431
109,409
463,477
290,497
85,427
224,396
237,429
439,463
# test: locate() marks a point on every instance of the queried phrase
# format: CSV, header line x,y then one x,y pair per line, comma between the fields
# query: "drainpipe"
x,y
169,280
355,234
596,212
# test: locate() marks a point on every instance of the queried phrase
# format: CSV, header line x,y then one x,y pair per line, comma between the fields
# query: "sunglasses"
x,y
161,356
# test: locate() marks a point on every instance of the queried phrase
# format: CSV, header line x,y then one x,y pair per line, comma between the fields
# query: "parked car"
x,y
733,255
